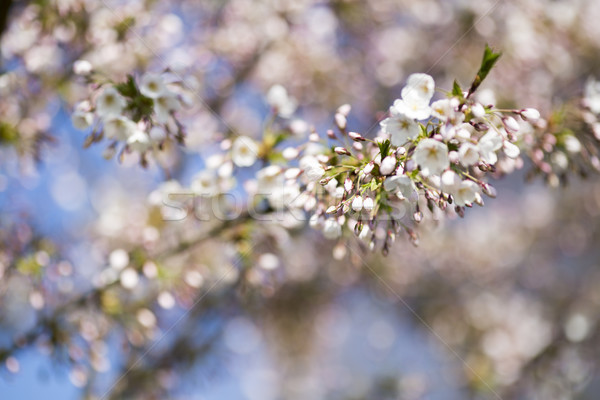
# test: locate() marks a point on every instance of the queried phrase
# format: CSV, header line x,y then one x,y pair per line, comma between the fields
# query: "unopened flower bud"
x,y
489,190
388,165
330,134
348,185
341,151
369,167
530,115
478,110
511,125
325,181
358,147
357,203
368,204
314,137
356,136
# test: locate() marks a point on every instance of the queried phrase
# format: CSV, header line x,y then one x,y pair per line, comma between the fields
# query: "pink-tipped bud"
x,y
341,151
330,134
356,136
369,167
530,114
511,125
489,190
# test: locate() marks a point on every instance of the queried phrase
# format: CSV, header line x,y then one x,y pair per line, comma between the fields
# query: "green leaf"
x,y
457,91
128,88
487,63
384,147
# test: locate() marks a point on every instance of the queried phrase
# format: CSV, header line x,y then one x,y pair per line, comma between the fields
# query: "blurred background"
x,y
101,298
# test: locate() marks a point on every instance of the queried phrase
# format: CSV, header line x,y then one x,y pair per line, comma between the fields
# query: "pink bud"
x,y
356,136
530,114
511,125
341,151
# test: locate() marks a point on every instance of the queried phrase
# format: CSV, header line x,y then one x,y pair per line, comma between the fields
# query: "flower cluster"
x,y
433,155
137,116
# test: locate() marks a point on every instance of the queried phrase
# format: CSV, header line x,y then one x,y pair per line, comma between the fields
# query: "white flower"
x,y
152,85
285,197
119,128
357,203
269,178
139,141
82,119
388,165
402,185
419,86
278,98
164,105
312,168
463,191
449,181
488,145
244,151
413,108
443,109
205,183
400,127
466,192
332,229
416,96
110,103
431,156
468,154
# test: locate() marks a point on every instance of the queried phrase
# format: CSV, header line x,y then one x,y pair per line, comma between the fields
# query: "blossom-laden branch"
x,y
428,155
